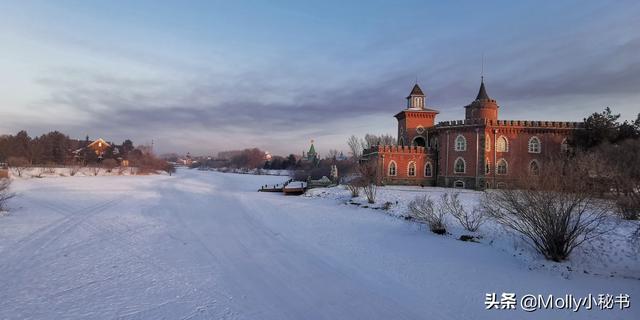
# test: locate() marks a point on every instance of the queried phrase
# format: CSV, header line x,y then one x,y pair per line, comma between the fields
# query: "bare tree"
x,y
332,154
18,164
554,211
5,195
368,177
423,209
378,140
470,220
356,146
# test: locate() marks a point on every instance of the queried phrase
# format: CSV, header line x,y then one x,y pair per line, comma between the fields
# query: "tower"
x,y
483,107
415,121
416,98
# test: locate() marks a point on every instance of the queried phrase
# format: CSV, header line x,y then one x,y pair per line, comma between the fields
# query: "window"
x,y
502,145
501,185
487,143
534,145
487,167
487,185
461,143
412,169
458,184
502,167
392,168
564,146
428,170
534,168
459,166
418,142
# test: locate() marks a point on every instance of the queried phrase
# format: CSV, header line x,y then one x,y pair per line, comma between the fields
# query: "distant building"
x,y
311,155
475,153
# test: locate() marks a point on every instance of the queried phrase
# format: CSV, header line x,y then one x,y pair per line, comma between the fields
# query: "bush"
x,y
354,187
18,164
555,212
109,164
423,209
368,177
470,220
5,195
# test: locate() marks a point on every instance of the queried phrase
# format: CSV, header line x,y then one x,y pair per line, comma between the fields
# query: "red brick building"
x,y
475,153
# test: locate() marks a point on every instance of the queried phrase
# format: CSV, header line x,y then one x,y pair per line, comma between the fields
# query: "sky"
x,y
208,76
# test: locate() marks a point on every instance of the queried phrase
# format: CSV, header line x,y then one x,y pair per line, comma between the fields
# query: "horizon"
x,y
206,77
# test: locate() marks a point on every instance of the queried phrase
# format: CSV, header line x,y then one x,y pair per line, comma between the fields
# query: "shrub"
x,y
470,220
423,209
18,164
555,212
354,187
368,178
109,164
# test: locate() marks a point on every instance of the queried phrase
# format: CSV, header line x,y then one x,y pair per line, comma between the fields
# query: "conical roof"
x,y
482,93
416,91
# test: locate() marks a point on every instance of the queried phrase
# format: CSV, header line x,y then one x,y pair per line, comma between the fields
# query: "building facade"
x,y
478,152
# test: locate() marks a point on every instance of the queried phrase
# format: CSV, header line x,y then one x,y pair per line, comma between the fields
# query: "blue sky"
x,y
205,76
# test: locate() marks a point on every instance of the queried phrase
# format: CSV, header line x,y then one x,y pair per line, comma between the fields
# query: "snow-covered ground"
x,y
206,245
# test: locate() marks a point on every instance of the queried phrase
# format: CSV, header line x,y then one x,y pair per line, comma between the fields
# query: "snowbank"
x,y
613,255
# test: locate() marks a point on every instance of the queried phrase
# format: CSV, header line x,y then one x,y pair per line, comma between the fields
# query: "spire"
x,y
416,91
482,93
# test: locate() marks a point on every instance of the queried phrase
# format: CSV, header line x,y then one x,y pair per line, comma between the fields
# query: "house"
x,y
478,152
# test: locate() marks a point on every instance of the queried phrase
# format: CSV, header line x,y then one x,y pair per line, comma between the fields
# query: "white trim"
x,y
456,182
530,144
464,163
455,143
487,143
414,169
395,167
506,143
424,172
506,166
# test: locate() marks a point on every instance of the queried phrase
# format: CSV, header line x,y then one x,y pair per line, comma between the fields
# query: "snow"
x,y
206,245
295,185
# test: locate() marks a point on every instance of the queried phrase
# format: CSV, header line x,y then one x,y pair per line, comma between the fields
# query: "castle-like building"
x,y
478,152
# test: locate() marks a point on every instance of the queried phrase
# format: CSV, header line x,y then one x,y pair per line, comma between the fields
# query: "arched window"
x,y
564,146
392,168
534,145
428,170
487,143
502,167
487,185
502,144
418,142
459,166
411,170
458,184
461,143
487,167
534,168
